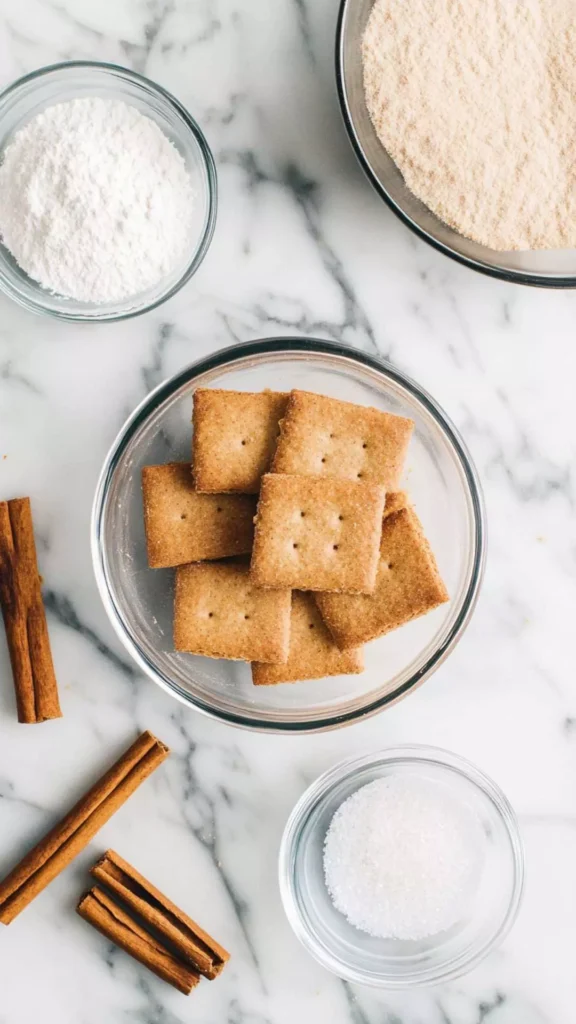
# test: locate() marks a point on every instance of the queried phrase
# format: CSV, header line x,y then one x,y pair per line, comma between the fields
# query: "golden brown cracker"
x,y
235,434
315,533
313,653
219,613
184,526
395,500
408,585
323,436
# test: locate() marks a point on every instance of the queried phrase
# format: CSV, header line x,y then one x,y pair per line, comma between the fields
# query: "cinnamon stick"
x,y
189,941
53,853
24,616
103,913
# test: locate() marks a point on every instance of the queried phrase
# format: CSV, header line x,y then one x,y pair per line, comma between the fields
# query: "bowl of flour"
x,y
463,119
107,193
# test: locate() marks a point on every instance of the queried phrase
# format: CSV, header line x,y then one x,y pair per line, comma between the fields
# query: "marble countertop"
x,y
302,246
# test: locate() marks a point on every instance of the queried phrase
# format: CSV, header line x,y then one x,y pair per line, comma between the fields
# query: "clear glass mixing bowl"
x,y
439,477
551,269
395,963
30,95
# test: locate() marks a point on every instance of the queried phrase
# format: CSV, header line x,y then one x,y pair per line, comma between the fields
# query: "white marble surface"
x,y
302,245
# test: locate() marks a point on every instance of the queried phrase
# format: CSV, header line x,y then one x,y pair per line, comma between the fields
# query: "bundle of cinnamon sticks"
x,y
123,905
135,915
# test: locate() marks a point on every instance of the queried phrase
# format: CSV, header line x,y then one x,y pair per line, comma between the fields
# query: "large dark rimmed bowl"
x,y
547,269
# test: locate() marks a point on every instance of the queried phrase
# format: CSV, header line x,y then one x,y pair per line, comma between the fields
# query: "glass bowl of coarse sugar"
x,y
402,868
108,192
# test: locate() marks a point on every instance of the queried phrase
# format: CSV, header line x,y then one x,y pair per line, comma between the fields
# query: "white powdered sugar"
x,y
96,203
402,856
475,101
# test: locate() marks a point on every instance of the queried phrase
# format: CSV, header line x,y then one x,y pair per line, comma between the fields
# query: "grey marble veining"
x,y
302,246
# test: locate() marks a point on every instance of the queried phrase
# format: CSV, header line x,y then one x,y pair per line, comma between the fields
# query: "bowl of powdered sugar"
x,y
402,868
462,116
107,192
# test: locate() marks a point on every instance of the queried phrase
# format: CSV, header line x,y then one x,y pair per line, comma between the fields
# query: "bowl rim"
x,y
490,270
422,754
212,189
236,355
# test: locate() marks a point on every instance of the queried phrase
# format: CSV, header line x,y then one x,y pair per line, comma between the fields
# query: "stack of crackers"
x,y
292,542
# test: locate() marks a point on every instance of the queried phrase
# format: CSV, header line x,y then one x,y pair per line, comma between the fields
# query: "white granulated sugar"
x,y
96,203
475,101
402,856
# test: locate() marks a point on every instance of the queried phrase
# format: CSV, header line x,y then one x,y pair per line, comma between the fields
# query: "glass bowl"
x,y
441,482
547,268
30,95
392,963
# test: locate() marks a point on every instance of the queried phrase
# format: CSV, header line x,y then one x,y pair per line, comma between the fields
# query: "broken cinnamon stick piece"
x,y
103,913
53,853
24,616
190,943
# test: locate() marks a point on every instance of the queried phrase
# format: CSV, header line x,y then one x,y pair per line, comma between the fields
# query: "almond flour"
x,y
475,101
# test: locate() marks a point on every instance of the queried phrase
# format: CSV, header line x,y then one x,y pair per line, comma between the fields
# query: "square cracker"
x,y
408,585
323,436
235,435
313,653
183,526
313,533
218,612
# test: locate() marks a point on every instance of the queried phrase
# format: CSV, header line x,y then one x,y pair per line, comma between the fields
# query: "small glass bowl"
x,y
391,963
29,96
441,482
